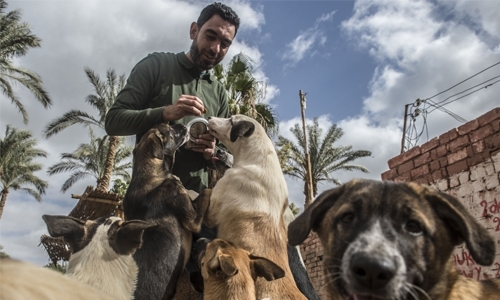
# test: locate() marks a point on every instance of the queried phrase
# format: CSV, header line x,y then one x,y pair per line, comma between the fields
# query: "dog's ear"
x,y
128,237
227,265
64,226
299,229
463,226
241,128
263,267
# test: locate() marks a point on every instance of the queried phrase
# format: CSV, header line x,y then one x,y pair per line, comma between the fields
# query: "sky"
x,y
359,63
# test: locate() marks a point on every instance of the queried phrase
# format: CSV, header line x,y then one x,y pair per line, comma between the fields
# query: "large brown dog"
x,y
387,240
248,202
156,195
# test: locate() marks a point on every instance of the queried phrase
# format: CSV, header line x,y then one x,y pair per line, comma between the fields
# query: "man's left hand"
x,y
208,141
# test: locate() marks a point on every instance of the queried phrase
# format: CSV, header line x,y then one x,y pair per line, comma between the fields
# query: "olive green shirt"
x,y
159,80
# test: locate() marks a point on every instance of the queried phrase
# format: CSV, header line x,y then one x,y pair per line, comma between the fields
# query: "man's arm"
x,y
129,114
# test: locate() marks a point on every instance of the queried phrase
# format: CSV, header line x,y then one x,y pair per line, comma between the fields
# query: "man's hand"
x,y
186,105
207,140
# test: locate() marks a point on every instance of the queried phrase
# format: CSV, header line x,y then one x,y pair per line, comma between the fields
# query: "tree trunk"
x,y
103,182
3,200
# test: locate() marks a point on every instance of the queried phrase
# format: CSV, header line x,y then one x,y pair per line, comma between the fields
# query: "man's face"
x,y
210,42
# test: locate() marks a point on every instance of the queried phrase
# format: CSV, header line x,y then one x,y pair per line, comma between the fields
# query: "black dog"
x,y
156,195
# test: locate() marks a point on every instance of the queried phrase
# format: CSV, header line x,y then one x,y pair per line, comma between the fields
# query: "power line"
x,y
464,80
411,134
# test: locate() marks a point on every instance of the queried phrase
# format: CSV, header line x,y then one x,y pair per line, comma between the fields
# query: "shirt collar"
x,y
193,69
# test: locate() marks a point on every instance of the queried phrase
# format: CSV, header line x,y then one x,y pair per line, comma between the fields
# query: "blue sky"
x,y
359,62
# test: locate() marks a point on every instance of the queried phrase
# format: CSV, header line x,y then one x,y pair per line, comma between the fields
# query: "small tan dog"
x,y
387,240
229,272
247,204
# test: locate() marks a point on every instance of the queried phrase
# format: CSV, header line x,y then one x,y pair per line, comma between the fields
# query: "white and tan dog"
x,y
247,204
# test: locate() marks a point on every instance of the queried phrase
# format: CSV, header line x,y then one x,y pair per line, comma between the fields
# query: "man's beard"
x,y
195,54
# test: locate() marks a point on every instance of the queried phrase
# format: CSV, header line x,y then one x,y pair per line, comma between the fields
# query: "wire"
x,y
463,81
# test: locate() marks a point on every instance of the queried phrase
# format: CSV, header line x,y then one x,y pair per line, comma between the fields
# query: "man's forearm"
x,y
121,121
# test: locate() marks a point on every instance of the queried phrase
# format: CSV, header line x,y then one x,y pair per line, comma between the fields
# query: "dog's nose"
x,y
370,272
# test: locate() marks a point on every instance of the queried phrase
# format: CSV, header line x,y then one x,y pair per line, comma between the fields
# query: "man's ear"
x,y
193,30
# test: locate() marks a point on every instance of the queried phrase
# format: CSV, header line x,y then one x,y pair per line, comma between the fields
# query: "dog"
x,y
247,204
100,266
156,195
389,240
22,280
229,272
221,162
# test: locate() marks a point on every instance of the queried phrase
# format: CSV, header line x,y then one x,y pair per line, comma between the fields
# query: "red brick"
x,y
457,167
389,175
492,142
404,157
406,167
468,127
438,175
495,125
448,136
457,156
422,159
481,133
403,177
422,180
443,162
458,143
489,116
476,159
434,165
478,147
441,151
419,172
429,145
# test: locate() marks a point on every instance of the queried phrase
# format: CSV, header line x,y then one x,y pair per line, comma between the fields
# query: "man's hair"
x,y
224,11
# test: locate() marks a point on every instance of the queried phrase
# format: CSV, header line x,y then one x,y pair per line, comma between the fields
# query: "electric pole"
x,y
308,183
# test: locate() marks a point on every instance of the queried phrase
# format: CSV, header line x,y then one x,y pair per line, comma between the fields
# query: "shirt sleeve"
x,y
129,114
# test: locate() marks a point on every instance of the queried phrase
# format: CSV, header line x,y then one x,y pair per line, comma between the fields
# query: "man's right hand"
x,y
186,105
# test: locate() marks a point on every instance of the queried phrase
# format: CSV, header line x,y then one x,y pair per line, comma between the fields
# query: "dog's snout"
x,y
372,273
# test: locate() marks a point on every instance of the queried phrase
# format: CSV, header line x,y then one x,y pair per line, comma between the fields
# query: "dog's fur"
x,y
387,240
229,272
101,251
248,202
156,195
22,280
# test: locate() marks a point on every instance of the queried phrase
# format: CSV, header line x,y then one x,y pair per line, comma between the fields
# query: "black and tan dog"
x,y
387,240
156,195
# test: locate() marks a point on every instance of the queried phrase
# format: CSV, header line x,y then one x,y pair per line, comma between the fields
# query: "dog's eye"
x,y
347,218
414,228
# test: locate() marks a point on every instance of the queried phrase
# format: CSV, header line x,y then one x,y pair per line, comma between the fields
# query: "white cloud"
x,y
297,49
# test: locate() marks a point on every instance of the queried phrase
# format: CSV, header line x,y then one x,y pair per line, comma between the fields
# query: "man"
x,y
167,87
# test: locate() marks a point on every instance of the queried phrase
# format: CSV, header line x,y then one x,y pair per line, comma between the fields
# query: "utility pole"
x,y
309,194
404,129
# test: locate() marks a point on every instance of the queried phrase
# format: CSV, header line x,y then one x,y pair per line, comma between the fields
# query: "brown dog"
x,y
248,203
387,240
157,196
229,272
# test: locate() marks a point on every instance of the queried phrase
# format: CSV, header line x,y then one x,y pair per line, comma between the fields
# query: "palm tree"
x,y
246,93
18,150
15,40
325,157
90,160
104,97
